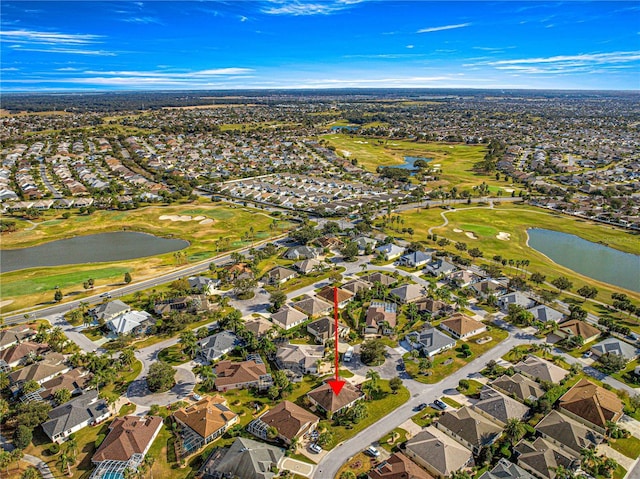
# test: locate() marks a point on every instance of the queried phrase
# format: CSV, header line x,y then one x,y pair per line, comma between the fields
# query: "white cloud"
x,y
174,75
243,18
598,58
444,27
409,46
300,7
143,20
68,51
48,38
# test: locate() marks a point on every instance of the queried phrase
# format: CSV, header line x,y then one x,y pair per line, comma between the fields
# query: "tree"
x,y
538,278
373,375
32,413
161,377
22,436
30,473
325,439
208,377
372,352
460,246
127,277
61,396
127,357
57,296
475,253
30,386
243,288
562,283
395,384
576,312
277,299
350,251
189,343
612,363
634,402
588,292
514,430
347,475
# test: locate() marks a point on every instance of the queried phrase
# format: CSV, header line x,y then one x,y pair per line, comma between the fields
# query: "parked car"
x,y
420,407
587,354
440,405
313,447
372,451
105,295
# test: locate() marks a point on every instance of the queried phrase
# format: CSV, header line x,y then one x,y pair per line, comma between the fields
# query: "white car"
x,y
313,447
372,451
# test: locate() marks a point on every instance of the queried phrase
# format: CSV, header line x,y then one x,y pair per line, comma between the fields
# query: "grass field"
x,y
486,223
34,286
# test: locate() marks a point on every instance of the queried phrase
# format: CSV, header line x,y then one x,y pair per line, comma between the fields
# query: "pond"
x,y
96,248
409,163
345,127
594,260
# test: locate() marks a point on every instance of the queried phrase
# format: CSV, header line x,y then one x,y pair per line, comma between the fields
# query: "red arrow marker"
x,y
336,384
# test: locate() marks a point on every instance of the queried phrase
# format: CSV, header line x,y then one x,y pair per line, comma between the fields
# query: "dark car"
x,y
420,407
439,404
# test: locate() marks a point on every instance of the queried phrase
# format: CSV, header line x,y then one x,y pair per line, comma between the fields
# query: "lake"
x,y
590,259
409,163
344,127
98,248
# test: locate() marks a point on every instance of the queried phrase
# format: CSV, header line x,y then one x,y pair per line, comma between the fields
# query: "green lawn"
x,y
473,390
451,402
390,441
173,355
629,446
425,417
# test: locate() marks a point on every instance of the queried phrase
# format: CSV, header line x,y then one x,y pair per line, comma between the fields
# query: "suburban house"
x,y
462,327
204,422
250,373
365,244
383,279
302,252
324,398
356,286
592,405
615,346
469,428
438,453
380,319
238,271
487,287
217,345
517,298
409,293
518,385
74,381
439,267
307,266
566,433
430,341
506,470
327,294
19,353
279,275
291,421
542,457
245,458
389,251
498,407
130,322
104,312
85,410
288,318
14,335
415,259
185,304
463,278
398,466
258,326
324,328
538,368
433,307
203,285
313,306
52,365
544,313
575,327
299,358
128,441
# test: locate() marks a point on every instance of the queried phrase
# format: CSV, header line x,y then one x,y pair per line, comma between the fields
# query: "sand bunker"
x,y
508,190
503,236
6,302
199,218
362,142
203,220
470,235
346,153
208,221
457,230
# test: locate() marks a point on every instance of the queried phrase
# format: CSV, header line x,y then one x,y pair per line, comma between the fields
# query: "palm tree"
x,y
293,445
461,301
373,375
189,343
370,388
412,311
127,357
514,430
588,457
208,377
65,463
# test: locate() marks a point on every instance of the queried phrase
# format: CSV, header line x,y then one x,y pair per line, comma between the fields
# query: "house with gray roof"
x,y
438,453
85,410
106,311
131,322
300,358
288,318
617,346
567,434
506,470
279,275
518,385
313,306
389,251
364,243
324,328
217,345
544,313
415,259
409,293
439,267
302,252
203,284
430,341
245,458
469,428
307,266
517,298
542,458
498,407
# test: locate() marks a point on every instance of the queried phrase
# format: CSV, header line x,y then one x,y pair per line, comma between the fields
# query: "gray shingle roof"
x,y
500,407
506,470
218,344
443,454
86,407
245,458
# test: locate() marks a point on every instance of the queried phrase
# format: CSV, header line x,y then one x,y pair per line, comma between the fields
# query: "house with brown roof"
x,y
469,428
324,328
398,466
301,359
52,365
433,307
204,422
380,319
258,326
567,434
409,293
291,421
592,405
186,304
356,286
381,278
128,436
250,373
313,306
324,398
288,318
538,368
519,386
462,326
344,296
438,453
19,353
74,381
542,458
575,327
279,275
15,335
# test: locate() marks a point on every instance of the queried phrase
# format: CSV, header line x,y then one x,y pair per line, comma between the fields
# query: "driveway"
x,y
387,370
297,467
139,393
258,304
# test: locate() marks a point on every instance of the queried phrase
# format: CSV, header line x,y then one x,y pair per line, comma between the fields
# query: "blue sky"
x,y
56,46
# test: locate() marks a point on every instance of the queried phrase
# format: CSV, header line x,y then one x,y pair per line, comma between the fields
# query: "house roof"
x,y
506,470
52,364
432,340
470,426
409,292
229,372
313,306
499,406
519,385
126,322
416,257
539,368
75,412
566,431
517,298
207,416
357,285
298,252
258,326
306,265
379,312
326,293
542,456
127,436
305,354
218,344
438,450
15,334
18,351
288,419
75,379
109,309
398,466
379,278
280,272
245,458
462,325
325,397
324,327
288,316
544,313
615,346
431,305
575,327
592,403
